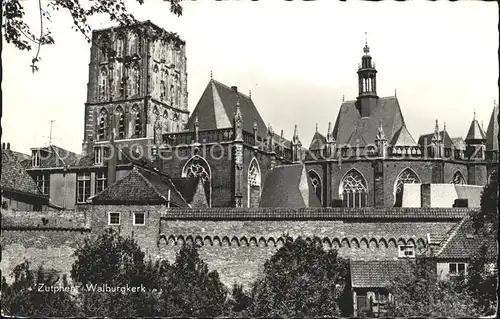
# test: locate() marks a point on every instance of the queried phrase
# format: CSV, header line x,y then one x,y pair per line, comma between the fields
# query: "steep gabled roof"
x,y
427,138
318,141
349,119
187,186
492,131
14,176
475,131
403,138
288,186
375,273
461,242
356,139
141,186
216,107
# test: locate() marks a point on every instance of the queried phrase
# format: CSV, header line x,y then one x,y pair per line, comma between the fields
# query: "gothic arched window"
x,y
103,123
121,122
316,184
353,189
458,178
120,39
103,77
407,176
137,121
133,44
254,184
104,45
197,166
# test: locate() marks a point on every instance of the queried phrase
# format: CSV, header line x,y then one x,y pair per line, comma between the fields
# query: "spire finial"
x,y
343,97
316,127
250,93
474,114
395,92
444,126
211,75
366,49
436,127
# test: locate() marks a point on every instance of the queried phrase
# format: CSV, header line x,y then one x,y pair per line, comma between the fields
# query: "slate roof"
x,y
288,186
461,242
375,273
349,119
475,131
318,141
216,107
187,186
492,131
14,176
141,186
426,139
403,138
322,213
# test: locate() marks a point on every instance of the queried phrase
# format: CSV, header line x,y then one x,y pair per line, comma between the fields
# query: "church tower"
x,y
367,83
137,86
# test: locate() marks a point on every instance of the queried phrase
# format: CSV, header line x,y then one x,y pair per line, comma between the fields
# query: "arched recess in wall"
x,y
353,189
253,184
103,84
197,166
407,176
102,122
316,184
136,115
458,178
120,116
493,174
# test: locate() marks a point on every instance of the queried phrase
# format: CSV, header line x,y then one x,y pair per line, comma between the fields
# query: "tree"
x,y
191,290
302,280
482,272
39,294
418,292
238,302
18,32
113,261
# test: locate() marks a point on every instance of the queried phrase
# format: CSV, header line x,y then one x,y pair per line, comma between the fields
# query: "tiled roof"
x,y
403,138
187,186
318,142
216,107
288,186
426,139
141,186
14,176
322,213
475,131
349,119
492,131
375,273
58,157
461,242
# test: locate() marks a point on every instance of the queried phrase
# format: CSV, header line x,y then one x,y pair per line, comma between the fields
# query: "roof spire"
x,y
474,114
395,92
316,127
250,93
211,75
436,127
380,131
342,97
366,49
444,126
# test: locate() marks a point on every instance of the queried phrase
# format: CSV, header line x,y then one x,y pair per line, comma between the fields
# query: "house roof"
x,y
375,273
288,186
216,107
492,131
187,186
318,141
349,119
14,176
426,139
461,242
58,157
141,185
403,138
475,131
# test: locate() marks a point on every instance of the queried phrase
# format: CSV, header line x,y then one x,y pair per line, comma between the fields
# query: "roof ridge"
x,y
109,186
452,235
161,174
151,185
230,88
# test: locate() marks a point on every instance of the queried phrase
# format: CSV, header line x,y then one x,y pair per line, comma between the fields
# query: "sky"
x,y
298,59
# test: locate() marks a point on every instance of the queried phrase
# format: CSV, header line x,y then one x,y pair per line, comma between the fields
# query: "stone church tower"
x,y
137,86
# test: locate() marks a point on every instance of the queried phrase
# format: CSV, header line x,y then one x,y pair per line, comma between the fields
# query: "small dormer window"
x,y
35,162
406,251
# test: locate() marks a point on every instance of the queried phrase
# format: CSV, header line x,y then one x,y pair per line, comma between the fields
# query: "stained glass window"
x,y
405,177
198,167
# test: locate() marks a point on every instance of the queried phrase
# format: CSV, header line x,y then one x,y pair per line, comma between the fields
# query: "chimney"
x,y
8,145
234,88
3,146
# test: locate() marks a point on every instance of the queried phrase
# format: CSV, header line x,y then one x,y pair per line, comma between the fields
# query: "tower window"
x,y
121,122
102,125
138,125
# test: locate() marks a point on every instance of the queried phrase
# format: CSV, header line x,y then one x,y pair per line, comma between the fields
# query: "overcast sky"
x,y
298,59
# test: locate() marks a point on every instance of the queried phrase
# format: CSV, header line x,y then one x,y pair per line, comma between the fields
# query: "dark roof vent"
x,y
235,89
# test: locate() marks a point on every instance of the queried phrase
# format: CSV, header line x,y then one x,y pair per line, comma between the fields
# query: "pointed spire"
x,y
281,135
366,49
343,97
380,131
295,138
395,92
329,131
436,127
196,122
474,115
444,126
211,75
250,93
316,127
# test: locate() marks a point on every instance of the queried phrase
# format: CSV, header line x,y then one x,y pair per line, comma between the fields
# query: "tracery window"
x,y
103,75
254,184
354,189
119,44
198,167
316,183
407,176
458,178
121,122
137,120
